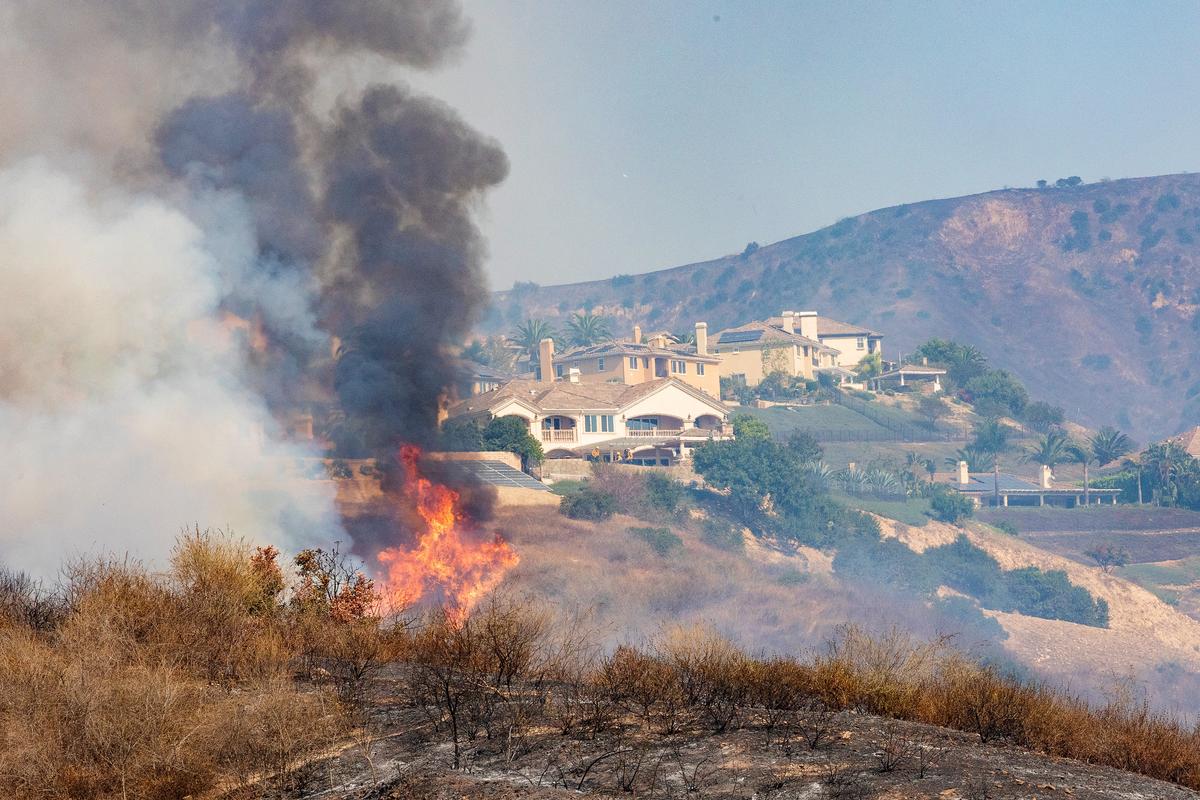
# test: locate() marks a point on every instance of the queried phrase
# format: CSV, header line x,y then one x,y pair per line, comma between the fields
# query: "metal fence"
x,y
894,431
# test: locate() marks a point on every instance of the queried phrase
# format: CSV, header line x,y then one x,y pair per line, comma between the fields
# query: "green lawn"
x,y
782,421
1164,581
914,512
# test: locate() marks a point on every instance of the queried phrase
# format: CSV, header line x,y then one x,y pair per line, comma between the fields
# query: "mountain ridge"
x,y
1090,294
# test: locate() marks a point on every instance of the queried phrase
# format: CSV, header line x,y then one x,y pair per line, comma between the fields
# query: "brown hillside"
x,y
1089,294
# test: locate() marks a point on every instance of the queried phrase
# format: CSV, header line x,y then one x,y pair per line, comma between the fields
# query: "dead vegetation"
x,y
224,677
692,683
131,684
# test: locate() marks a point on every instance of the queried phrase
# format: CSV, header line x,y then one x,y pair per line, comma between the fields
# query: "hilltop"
x,y
1088,293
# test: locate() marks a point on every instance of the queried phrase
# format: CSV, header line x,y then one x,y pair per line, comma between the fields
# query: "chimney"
x,y
573,374
964,477
546,360
701,338
808,324
637,334
789,323
1047,477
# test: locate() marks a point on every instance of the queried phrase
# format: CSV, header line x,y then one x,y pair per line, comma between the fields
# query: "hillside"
x,y
1089,294
783,598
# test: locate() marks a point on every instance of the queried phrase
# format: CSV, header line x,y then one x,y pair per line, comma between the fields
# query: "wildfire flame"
x,y
444,561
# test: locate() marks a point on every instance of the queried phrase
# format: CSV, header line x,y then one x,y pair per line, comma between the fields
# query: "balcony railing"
x,y
653,433
563,435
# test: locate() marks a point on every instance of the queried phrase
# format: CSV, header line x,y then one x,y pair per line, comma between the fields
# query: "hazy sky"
x,y
649,134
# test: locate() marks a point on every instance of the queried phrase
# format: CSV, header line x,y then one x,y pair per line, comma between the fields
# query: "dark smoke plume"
x,y
326,226
390,181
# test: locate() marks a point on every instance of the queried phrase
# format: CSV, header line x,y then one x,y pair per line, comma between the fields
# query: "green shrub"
x,y
861,395
661,540
722,535
663,493
1005,526
588,503
950,506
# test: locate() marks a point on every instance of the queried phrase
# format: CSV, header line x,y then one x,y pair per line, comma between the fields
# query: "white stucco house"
x,y
654,423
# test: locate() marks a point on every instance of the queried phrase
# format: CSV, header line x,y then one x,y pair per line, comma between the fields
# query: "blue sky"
x,y
643,135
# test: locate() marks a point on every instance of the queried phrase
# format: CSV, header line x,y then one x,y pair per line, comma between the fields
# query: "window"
x,y
642,424
737,350
633,362
861,343
679,367
699,369
600,365
558,370
598,423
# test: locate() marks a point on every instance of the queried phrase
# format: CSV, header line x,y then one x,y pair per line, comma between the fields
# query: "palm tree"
x,y
931,468
1085,455
977,460
966,362
588,329
1052,449
992,436
529,335
1109,444
1167,461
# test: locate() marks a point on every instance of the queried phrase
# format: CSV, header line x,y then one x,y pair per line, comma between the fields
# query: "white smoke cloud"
x,y
123,407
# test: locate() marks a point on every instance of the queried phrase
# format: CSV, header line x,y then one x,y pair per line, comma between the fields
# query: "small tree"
x,y
1043,417
462,435
746,426
1108,557
806,448
870,366
511,434
951,506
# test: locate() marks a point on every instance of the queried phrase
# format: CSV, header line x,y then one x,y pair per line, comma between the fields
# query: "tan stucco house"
x,y
633,362
852,342
758,349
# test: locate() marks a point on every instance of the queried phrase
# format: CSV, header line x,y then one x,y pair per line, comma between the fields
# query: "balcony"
x,y
564,435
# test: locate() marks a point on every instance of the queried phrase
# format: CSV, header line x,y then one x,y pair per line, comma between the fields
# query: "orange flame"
x,y
444,561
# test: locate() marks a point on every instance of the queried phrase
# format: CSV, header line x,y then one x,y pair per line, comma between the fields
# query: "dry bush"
x,y
132,693
25,602
713,674
487,673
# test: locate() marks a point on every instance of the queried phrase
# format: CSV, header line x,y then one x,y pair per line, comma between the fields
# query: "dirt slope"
x,y
1145,637
1089,294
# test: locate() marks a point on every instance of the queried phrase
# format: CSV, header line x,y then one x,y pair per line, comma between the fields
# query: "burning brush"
x,y
449,563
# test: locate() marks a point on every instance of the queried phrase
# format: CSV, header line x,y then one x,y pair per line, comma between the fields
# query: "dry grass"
x,y
160,685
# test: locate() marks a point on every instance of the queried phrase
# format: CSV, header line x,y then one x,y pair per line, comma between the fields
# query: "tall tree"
x,y
587,329
993,437
1110,444
1082,453
529,335
1051,449
1166,462
977,460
